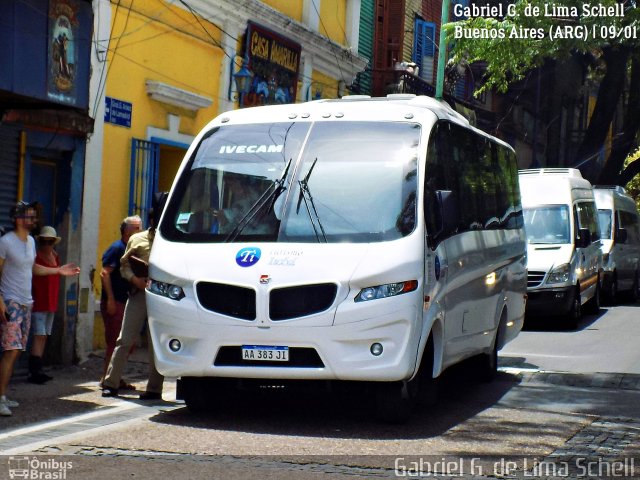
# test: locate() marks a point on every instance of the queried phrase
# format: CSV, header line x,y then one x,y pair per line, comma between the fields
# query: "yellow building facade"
x,y
162,71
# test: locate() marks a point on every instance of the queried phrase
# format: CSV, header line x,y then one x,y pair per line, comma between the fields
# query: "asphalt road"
x,y
532,411
608,342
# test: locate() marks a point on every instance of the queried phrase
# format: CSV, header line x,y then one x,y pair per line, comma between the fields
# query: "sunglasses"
x,y
47,241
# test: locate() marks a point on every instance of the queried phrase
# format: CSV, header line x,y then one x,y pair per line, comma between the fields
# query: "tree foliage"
x,y
510,58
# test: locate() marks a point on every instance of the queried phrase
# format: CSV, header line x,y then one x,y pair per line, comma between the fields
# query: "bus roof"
x,y
393,107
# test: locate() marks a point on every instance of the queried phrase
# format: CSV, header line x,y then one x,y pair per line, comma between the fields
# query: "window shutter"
x,y
424,48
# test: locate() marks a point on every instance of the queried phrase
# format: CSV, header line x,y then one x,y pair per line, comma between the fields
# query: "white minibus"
x,y
374,241
563,236
620,235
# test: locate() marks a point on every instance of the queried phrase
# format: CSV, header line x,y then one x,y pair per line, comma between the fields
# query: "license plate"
x,y
266,353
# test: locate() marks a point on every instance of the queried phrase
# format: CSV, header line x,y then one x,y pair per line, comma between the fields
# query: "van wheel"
x,y
594,303
575,312
634,294
612,290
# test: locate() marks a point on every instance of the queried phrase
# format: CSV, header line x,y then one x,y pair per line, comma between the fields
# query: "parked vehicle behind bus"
x,y
620,234
375,241
563,236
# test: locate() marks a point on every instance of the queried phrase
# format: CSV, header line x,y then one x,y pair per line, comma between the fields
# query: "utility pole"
x,y
442,50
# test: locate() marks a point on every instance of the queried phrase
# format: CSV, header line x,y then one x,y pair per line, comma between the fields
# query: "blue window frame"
x,y
145,158
424,48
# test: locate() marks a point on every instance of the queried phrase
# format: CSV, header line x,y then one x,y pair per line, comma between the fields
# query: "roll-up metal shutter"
x,y
9,161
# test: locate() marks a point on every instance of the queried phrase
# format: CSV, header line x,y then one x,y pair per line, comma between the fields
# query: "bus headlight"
x,y
560,274
387,290
174,292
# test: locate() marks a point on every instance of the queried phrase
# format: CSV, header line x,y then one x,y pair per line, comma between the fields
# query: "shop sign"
x,y
274,61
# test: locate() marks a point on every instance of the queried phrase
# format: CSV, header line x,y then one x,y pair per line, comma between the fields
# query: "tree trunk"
x,y
609,93
622,146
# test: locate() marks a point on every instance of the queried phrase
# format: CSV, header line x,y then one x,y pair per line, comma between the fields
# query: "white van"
x,y
620,235
376,241
563,236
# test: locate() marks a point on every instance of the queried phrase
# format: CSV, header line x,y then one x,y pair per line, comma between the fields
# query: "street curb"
x,y
616,381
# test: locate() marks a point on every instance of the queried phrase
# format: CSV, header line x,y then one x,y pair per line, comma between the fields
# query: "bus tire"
x,y
488,363
195,394
427,394
394,403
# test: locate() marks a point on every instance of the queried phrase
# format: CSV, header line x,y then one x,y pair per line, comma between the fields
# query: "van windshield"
x,y
605,218
547,224
298,182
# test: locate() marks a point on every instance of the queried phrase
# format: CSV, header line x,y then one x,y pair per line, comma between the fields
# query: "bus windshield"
x,y
548,224
298,182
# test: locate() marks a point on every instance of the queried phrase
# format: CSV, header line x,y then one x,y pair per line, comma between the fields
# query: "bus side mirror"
x,y
584,238
446,214
621,235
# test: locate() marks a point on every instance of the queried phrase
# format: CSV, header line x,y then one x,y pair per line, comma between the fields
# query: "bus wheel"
x,y
427,386
194,392
394,402
488,363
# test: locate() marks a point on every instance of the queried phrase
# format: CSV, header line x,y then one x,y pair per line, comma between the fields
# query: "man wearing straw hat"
x,y
45,302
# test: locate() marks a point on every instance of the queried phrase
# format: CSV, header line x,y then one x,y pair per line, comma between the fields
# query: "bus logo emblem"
x,y
247,257
265,279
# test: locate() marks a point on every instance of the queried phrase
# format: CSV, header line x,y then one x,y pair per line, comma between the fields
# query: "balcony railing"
x,y
385,81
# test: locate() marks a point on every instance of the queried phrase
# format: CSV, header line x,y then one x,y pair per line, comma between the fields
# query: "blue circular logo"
x,y
248,256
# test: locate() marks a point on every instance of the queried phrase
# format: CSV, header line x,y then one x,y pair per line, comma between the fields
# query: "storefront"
x,y
44,98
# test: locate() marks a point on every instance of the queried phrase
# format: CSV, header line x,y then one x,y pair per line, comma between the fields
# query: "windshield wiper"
x,y
305,194
270,196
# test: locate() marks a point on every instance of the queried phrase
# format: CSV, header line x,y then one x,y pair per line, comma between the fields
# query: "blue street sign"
x,y
118,112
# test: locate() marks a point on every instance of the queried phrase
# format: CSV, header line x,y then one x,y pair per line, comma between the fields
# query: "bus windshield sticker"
x,y
183,218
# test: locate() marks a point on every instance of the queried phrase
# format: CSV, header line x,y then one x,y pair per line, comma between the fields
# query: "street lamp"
x,y
243,79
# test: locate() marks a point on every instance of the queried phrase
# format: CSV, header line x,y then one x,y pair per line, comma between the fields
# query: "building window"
x,y
424,48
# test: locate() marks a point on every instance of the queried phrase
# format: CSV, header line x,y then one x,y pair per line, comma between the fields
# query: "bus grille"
x,y
534,279
292,302
228,300
298,357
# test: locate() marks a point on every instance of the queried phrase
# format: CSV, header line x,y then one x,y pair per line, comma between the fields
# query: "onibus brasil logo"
x,y
38,468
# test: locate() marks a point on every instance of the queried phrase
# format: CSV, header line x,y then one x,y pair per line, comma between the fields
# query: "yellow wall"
x,y
291,8
153,41
328,86
333,14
